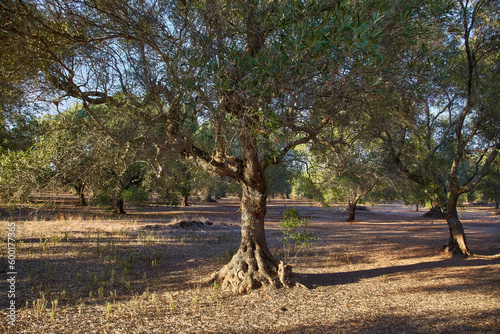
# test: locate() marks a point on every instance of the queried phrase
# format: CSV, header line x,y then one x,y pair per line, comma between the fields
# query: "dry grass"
x,y
78,274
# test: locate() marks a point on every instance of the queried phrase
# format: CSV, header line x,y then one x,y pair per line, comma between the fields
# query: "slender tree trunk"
x,y
352,211
185,196
354,202
185,200
457,244
81,200
497,205
208,197
470,197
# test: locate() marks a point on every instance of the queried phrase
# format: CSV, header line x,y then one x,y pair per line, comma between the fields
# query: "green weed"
x,y
295,236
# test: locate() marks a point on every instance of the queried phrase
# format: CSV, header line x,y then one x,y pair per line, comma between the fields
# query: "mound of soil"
x,y
434,212
190,224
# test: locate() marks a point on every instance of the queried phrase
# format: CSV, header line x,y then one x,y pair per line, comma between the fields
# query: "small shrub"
x,y
294,235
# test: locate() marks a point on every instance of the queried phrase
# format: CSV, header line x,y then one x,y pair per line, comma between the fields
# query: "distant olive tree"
x,y
441,106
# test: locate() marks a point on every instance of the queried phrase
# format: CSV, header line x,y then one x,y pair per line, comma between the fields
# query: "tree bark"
x,y
81,195
208,197
253,266
185,195
81,199
185,200
457,244
119,207
352,211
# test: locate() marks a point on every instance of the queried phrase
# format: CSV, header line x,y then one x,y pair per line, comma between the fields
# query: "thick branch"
x,y
230,166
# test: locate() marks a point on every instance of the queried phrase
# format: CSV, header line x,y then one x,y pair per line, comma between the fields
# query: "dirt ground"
x,y
84,271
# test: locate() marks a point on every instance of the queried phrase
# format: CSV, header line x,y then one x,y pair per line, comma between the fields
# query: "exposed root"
x,y
456,250
250,269
435,212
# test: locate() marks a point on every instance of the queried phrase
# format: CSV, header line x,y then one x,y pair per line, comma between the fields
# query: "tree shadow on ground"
x,y
115,267
485,322
313,281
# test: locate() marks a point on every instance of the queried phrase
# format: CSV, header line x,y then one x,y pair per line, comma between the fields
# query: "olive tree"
x,y
247,75
442,109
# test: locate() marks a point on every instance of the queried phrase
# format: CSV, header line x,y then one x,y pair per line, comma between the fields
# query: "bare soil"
x,y
81,270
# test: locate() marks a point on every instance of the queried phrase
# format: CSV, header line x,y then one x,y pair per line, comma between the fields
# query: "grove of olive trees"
x,y
234,87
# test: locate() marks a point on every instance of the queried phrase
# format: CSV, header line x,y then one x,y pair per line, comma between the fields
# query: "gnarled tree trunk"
x,y
253,265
